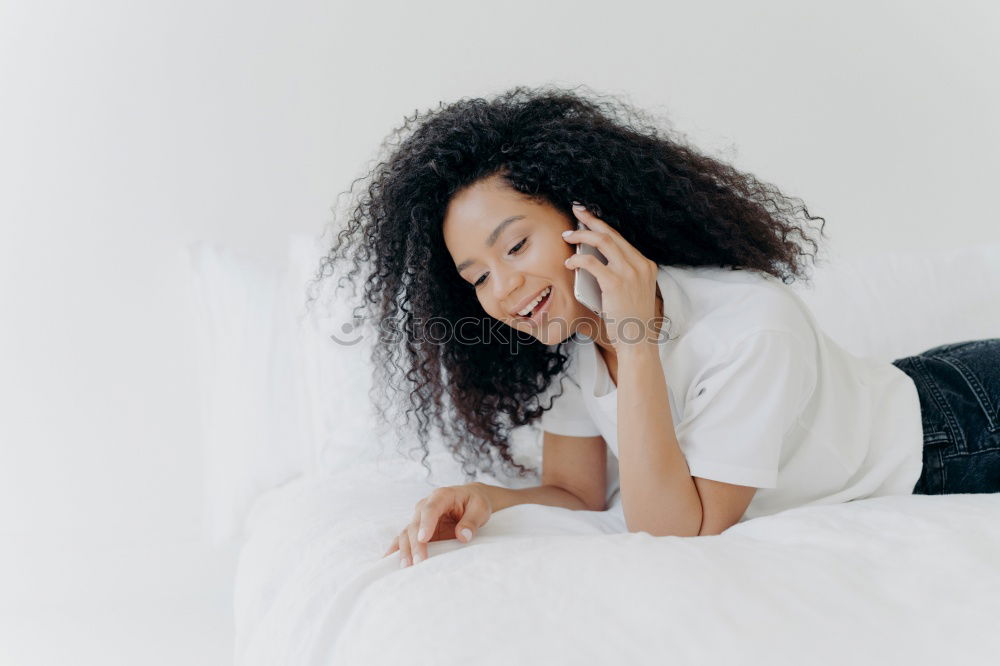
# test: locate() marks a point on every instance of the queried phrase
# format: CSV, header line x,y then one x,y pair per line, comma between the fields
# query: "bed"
x,y
297,473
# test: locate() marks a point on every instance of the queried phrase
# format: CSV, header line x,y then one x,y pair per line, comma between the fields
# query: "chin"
x,y
555,333
557,336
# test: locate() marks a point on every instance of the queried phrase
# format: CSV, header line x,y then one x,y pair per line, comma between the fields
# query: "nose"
x,y
506,281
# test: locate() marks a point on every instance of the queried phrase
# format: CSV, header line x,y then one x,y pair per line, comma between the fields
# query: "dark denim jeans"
x,y
959,388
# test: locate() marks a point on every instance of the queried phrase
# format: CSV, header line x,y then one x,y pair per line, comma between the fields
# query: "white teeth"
x,y
531,306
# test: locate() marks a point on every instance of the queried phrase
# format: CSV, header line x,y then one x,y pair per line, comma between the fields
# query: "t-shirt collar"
x,y
675,306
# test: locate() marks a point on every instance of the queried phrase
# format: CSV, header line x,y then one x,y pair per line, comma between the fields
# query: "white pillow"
x,y
255,428
280,398
896,304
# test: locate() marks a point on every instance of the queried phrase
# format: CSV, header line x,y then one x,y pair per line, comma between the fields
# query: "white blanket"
x,y
892,580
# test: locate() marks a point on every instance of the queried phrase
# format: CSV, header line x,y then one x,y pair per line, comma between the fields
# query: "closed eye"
x,y
514,250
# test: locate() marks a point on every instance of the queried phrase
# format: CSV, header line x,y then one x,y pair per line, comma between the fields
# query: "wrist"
x,y
489,493
643,351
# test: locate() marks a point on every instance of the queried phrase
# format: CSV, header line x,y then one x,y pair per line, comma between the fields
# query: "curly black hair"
x,y
676,205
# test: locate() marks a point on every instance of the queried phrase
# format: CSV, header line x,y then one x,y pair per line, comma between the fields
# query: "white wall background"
x,y
128,129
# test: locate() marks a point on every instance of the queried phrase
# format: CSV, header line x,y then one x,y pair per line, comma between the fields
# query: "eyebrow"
x,y
492,239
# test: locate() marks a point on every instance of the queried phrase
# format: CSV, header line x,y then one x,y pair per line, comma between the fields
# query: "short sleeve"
x,y
568,415
742,408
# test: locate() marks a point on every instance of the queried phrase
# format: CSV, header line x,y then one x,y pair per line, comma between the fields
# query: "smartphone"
x,y
585,286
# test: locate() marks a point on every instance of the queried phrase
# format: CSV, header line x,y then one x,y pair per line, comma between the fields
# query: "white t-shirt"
x,y
759,396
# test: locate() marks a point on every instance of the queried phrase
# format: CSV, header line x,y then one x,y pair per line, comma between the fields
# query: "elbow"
x,y
667,532
661,529
688,523
685,518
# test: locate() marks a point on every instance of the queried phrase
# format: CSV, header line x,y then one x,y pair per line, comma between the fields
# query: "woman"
x,y
703,373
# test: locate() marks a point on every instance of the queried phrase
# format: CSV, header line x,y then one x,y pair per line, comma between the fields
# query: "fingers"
x,y
623,258
427,518
464,532
603,242
475,517
596,267
613,241
412,541
476,514
418,550
405,557
594,222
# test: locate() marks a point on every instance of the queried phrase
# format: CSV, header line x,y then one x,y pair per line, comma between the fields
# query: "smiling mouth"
x,y
537,308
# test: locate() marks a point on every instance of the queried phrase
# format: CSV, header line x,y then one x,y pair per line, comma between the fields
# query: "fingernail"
x,y
567,233
577,203
417,558
578,206
404,562
566,263
421,533
467,533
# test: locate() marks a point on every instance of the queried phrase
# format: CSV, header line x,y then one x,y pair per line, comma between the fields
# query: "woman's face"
x,y
511,249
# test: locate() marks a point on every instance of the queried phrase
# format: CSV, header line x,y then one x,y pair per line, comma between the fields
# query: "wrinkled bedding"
x,y
890,580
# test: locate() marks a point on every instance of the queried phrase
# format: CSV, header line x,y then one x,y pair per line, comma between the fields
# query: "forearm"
x,y
501,497
658,494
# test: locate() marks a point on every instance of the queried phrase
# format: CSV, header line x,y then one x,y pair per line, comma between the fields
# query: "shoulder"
x,y
727,308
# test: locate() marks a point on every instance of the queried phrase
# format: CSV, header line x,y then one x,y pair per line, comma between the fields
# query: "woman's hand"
x,y
628,281
451,512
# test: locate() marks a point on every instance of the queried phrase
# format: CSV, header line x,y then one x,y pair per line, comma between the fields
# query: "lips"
x,y
537,312
517,311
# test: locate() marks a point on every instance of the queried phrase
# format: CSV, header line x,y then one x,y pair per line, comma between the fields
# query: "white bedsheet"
x,y
892,580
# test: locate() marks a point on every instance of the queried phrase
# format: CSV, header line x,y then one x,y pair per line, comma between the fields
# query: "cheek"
x,y
486,303
491,308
